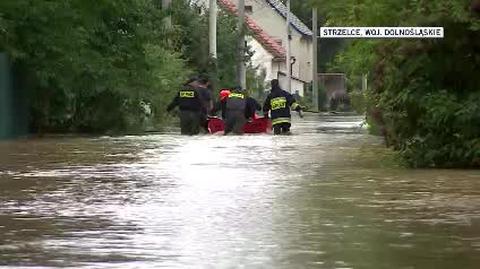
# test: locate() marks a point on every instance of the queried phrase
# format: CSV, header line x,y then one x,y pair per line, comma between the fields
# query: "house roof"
x,y
295,21
267,42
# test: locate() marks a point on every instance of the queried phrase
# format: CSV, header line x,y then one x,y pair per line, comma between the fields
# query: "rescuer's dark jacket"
x,y
251,107
220,106
279,103
235,114
236,101
187,99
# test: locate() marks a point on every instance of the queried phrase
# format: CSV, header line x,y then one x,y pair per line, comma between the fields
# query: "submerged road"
x,y
327,197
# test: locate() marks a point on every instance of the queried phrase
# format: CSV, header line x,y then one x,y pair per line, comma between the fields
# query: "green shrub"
x,y
358,101
424,95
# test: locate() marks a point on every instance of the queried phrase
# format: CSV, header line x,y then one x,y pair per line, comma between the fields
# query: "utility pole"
x,y
364,83
314,60
168,20
241,70
287,44
213,28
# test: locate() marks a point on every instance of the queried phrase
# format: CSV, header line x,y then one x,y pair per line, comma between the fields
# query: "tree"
x,y
89,69
424,97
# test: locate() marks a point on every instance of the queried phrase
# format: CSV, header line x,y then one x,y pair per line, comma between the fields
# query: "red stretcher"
x,y
255,126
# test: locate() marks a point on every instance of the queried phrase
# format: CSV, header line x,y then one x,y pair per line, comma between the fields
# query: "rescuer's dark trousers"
x,y
281,128
204,121
235,121
190,122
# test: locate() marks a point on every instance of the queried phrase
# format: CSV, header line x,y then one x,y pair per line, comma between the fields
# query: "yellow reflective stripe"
x,y
187,94
280,120
236,95
295,105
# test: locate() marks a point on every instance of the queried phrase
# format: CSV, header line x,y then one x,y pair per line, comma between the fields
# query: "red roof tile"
x,y
267,42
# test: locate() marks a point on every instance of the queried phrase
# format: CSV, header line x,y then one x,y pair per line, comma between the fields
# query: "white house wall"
x,y
297,86
261,59
274,24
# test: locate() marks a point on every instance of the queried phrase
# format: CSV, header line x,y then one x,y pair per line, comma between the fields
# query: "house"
x,y
266,20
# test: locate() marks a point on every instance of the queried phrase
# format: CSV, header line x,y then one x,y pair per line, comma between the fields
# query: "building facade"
x,y
266,20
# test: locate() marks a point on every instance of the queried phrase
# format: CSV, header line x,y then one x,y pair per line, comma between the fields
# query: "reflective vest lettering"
x,y
187,94
236,95
278,103
236,101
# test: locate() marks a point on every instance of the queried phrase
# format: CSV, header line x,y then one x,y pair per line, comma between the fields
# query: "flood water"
x,y
329,196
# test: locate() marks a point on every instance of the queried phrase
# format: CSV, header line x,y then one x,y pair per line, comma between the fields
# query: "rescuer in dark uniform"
x,y
235,113
221,104
203,86
279,103
189,102
251,107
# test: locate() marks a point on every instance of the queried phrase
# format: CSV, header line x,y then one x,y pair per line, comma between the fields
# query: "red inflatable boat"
x,y
255,126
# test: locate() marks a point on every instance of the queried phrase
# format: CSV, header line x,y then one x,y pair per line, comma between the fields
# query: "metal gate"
x,y
335,87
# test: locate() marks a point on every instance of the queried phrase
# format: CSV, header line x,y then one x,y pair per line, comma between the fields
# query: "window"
x,y
248,9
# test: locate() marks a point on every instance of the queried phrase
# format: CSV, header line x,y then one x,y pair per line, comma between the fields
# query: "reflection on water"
x,y
320,198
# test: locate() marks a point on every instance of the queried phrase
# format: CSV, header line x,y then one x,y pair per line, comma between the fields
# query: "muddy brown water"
x,y
327,197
